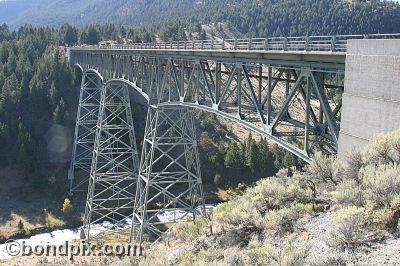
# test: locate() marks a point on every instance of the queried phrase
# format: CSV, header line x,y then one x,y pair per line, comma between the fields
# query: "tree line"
x,y
38,90
226,160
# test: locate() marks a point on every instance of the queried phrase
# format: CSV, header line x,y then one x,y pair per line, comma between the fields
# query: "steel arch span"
x,y
295,104
105,161
293,99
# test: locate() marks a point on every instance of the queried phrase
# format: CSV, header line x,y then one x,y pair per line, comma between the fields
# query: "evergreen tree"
x,y
69,34
23,157
83,37
93,35
266,163
59,113
233,156
252,156
53,94
218,180
67,206
10,92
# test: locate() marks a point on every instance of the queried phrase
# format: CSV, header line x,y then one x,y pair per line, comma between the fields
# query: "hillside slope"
x,y
251,18
83,12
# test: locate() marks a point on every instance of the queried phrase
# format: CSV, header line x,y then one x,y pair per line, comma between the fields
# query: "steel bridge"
x,y
287,89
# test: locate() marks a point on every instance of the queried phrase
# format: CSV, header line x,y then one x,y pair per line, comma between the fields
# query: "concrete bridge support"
x,y
371,99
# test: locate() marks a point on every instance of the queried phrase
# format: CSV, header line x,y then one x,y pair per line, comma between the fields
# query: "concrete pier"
x,y
371,99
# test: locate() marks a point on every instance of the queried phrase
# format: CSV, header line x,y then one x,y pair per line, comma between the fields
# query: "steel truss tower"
x,y
114,169
169,186
85,131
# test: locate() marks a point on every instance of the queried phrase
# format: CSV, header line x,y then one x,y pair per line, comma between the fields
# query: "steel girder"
x,y
169,187
85,131
289,104
114,167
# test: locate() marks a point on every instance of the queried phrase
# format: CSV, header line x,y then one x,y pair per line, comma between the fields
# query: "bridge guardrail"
x,y
337,43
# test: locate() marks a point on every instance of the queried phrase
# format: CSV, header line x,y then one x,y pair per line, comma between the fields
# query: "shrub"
x,y
386,218
333,259
283,221
189,230
383,149
275,193
187,258
52,221
234,256
379,219
242,220
353,166
326,169
381,183
285,254
218,180
156,258
348,234
208,256
221,132
66,206
348,193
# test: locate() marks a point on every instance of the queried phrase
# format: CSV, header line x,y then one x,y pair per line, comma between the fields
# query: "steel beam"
x,y
114,169
85,131
169,186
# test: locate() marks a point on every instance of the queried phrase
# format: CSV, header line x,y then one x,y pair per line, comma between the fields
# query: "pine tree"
x,y
252,156
23,157
266,163
218,180
59,113
93,35
53,94
233,156
67,206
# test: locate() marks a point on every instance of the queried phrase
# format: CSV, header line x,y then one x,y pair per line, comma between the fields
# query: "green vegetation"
x,y
226,162
53,221
303,17
66,206
264,220
38,91
171,18
267,224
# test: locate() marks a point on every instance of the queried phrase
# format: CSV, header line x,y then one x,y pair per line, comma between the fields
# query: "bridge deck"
x,y
315,59
284,88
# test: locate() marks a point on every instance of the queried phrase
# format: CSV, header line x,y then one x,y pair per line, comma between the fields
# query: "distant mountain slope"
x,y
10,10
83,12
251,18
266,18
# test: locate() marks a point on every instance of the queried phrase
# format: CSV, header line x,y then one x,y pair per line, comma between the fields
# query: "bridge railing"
x,y
337,43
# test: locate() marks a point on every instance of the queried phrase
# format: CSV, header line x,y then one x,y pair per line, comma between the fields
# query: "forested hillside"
x,y
37,92
37,86
39,97
306,17
83,12
248,18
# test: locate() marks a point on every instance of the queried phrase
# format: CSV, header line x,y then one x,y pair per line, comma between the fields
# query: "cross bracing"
x,y
85,131
270,99
169,175
114,166
291,96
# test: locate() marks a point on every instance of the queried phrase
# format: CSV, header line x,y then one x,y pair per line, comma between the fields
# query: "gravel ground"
x,y
318,228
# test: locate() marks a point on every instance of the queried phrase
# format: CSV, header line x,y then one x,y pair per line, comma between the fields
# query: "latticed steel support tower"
x,y
114,168
85,131
169,186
